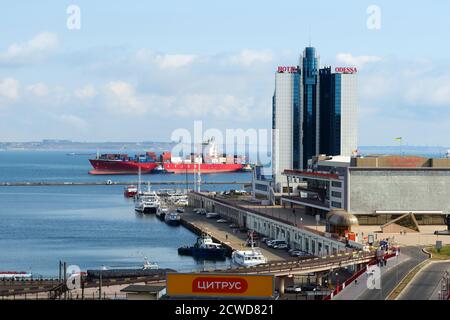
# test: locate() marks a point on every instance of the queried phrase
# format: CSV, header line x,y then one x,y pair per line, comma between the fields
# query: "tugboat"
x,y
204,248
172,218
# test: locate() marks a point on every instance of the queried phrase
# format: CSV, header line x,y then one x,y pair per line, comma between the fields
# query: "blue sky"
x,y
139,71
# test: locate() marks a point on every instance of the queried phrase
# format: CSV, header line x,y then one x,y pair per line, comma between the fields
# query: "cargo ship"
x,y
208,161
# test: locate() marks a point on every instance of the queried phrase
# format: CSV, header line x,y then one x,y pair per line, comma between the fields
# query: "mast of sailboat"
x,y
139,180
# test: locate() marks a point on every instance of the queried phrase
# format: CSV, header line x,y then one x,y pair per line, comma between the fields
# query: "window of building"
x,y
261,187
336,204
336,184
336,194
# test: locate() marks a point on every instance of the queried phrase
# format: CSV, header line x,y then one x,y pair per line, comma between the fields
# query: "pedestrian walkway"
x,y
354,290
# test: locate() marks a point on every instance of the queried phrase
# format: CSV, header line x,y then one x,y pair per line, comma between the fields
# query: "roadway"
x,y
392,277
426,284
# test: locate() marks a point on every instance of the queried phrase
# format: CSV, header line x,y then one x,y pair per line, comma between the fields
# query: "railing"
x,y
355,276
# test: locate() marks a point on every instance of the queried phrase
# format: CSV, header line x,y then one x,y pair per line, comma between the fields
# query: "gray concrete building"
x,y
375,189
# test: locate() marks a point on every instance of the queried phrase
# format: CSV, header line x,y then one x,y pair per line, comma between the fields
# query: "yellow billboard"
x,y
219,285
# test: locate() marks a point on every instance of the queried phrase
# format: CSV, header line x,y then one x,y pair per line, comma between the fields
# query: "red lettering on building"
x,y
346,70
287,69
219,285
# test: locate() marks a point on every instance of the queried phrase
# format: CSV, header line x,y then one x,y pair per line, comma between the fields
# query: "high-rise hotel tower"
x,y
314,112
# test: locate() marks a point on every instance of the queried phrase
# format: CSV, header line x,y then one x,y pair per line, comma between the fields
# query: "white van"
x,y
275,242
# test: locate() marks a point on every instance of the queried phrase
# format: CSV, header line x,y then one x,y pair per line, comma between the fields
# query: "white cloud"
x,y
248,57
431,91
170,61
121,98
72,121
9,88
85,92
38,89
164,61
357,61
30,51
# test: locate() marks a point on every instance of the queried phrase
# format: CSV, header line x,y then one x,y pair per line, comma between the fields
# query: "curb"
x,y
397,291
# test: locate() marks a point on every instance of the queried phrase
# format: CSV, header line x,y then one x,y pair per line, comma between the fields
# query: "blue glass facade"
x,y
330,112
296,122
310,78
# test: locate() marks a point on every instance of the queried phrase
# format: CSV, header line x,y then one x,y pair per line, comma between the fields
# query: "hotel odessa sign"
x,y
346,70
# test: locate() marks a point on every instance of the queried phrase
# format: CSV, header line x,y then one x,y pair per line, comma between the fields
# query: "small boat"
x,y
247,168
204,248
130,191
148,265
248,258
14,275
172,218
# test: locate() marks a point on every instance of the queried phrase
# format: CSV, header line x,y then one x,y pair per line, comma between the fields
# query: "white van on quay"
x,y
273,243
211,215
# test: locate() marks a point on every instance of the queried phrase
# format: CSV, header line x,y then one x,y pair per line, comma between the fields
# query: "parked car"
x,y
293,289
222,221
211,215
180,210
201,211
233,226
182,202
311,287
299,253
265,239
272,243
280,246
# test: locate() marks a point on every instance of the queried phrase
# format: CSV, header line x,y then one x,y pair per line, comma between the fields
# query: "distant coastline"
x,y
126,147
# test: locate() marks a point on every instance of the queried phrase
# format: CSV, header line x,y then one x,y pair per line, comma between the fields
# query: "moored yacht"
x,y
147,204
248,258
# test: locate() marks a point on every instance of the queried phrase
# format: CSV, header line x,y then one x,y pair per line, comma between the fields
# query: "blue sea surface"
x,y
88,226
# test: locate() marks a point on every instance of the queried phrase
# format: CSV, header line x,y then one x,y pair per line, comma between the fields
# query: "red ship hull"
x,y
204,167
106,167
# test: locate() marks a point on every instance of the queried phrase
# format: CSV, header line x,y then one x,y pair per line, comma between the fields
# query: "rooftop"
x,y
143,288
396,161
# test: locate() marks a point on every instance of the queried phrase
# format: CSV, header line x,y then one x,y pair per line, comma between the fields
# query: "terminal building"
x,y
375,189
